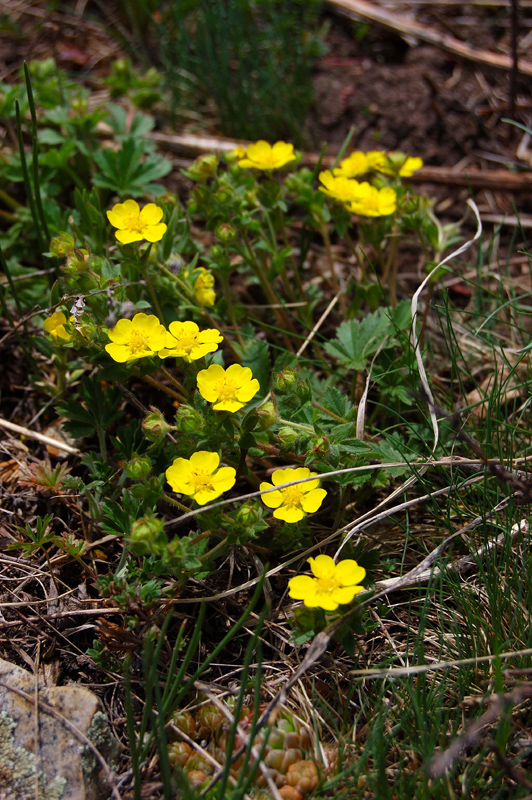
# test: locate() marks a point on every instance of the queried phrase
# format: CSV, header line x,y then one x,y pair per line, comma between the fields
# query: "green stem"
x,y
35,152
299,425
26,178
327,411
179,386
230,308
292,259
163,388
175,503
334,275
10,201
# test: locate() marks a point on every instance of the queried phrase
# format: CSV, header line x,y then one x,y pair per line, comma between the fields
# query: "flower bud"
x,y
225,232
287,436
248,515
267,415
285,380
138,468
203,167
223,194
155,426
320,444
148,536
62,245
216,252
78,259
175,263
303,391
188,420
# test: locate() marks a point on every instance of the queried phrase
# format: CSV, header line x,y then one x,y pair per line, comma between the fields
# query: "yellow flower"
x,y
359,163
373,202
262,155
135,338
332,585
200,477
203,291
185,340
339,188
292,503
239,152
134,225
55,326
227,389
400,164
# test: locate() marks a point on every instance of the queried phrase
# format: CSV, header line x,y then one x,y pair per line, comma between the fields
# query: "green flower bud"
x,y
78,260
203,167
267,415
303,391
223,194
148,536
287,436
285,380
62,245
138,468
249,514
216,252
225,232
79,106
155,426
188,420
320,444
412,204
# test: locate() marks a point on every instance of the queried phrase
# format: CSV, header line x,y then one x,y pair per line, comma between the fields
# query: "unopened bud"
x,y
287,436
223,194
320,444
225,232
148,536
62,245
248,515
78,259
285,380
267,415
188,420
155,426
138,468
203,167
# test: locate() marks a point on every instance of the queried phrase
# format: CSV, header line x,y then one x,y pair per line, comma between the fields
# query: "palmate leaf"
x,y
357,340
129,170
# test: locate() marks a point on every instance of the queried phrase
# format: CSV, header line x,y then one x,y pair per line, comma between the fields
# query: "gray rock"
x,y
64,767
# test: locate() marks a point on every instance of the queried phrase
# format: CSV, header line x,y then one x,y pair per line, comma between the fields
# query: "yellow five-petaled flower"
x,y
262,155
136,338
332,584
55,326
200,477
135,225
185,340
227,389
293,502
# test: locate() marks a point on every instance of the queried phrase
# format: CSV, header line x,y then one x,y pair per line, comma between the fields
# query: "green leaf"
x,y
358,340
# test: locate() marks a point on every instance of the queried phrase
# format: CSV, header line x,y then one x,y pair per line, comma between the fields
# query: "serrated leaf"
x,y
356,341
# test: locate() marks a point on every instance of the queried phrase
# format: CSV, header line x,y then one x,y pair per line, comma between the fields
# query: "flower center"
x,y
133,223
227,390
292,496
327,585
187,342
201,481
137,341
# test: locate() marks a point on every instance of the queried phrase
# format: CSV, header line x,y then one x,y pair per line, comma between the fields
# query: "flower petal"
x,y
312,501
272,499
301,586
224,479
288,513
205,461
322,566
121,333
151,214
154,233
118,352
127,236
345,594
348,572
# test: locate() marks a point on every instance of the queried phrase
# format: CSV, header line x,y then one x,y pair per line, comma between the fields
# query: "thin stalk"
x,y
334,276
10,201
26,178
230,308
179,386
281,317
292,259
392,264
357,254
35,153
163,388
151,289
327,411
175,503
301,426
7,271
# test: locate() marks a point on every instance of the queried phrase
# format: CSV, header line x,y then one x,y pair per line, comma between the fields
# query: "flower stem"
x,y
163,388
179,386
175,503
334,274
